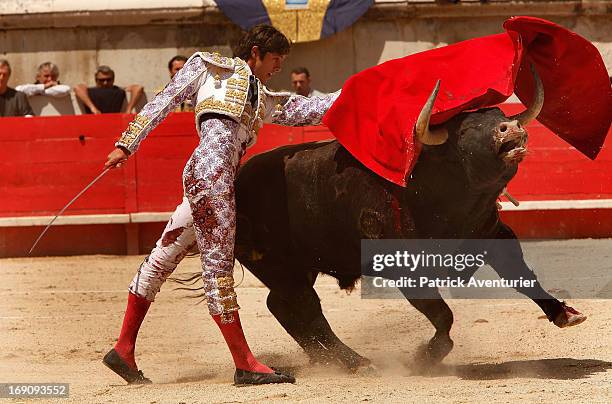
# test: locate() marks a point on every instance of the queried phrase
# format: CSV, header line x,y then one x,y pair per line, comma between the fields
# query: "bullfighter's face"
x,y
265,67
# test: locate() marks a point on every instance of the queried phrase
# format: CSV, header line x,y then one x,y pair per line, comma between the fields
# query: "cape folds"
x,y
374,116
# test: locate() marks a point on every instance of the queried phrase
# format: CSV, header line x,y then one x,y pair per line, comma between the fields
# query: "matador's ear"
x,y
255,53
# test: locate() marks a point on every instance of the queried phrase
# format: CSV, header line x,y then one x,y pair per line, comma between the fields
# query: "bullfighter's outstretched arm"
x,y
183,85
304,111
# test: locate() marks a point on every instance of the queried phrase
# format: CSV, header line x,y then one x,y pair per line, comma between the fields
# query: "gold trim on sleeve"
x,y
216,59
133,131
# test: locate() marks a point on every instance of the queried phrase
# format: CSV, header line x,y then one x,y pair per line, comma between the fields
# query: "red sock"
x,y
237,344
134,314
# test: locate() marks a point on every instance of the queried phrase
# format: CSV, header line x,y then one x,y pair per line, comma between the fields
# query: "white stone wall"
x,y
137,37
58,6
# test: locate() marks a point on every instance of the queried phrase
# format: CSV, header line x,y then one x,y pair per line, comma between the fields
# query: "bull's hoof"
x,y
436,350
568,317
368,370
439,347
357,363
353,363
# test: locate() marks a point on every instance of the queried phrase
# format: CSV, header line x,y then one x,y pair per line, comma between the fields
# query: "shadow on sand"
x,y
559,369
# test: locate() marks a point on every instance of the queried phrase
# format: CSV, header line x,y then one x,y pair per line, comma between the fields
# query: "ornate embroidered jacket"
x,y
221,85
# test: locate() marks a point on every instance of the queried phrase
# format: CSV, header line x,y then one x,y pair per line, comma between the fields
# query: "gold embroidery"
x,y
227,318
298,25
261,106
247,115
225,282
228,300
218,60
134,130
235,96
241,68
210,104
245,119
238,84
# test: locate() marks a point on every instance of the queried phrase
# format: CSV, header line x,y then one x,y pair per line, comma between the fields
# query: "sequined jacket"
x,y
220,85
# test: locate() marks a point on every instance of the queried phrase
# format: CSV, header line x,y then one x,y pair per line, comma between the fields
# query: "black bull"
x,y
302,210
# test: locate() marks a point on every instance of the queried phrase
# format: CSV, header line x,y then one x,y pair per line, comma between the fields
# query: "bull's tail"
x,y
192,282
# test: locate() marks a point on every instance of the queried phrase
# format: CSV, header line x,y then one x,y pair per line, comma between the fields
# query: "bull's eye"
x,y
503,127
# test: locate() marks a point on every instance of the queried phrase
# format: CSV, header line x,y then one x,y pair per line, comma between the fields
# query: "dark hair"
x,y
105,70
4,62
301,70
266,38
177,58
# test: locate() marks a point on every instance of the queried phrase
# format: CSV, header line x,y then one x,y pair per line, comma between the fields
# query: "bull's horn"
x,y
422,131
538,101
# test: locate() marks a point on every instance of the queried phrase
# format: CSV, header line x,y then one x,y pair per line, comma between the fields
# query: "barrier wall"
x,y
45,161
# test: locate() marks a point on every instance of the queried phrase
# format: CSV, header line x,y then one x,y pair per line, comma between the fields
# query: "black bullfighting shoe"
x,y
113,361
568,317
243,377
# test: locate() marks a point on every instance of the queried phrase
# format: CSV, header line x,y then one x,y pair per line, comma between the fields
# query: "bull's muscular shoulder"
x,y
216,59
311,156
325,164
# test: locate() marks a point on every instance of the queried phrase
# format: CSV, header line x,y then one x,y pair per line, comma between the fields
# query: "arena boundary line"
x,y
153,217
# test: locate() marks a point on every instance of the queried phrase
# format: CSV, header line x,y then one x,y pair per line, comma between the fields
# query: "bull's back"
x,y
310,201
263,223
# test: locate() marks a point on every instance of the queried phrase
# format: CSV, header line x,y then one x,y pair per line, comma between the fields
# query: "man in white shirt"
x,y
46,83
300,81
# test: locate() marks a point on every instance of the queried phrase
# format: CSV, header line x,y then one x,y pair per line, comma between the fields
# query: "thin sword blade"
x,y
66,207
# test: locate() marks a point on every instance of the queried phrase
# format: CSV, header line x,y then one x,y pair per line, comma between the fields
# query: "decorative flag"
x,y
299,20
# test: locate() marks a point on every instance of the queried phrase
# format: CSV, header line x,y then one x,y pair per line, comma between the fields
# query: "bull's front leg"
x,y
299,312
507,260
296,305
440,315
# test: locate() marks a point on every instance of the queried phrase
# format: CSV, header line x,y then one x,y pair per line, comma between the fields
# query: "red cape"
x,y
374,116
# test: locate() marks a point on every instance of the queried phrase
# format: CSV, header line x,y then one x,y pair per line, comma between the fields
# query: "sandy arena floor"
x,y
58,316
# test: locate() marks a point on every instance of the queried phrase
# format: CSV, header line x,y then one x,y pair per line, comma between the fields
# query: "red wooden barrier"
x,y
45,161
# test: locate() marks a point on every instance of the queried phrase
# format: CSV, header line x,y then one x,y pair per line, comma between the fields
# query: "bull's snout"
x,y
510,141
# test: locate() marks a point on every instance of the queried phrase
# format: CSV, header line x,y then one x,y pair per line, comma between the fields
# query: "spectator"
x,y
12,102
46,83
106,97
300,80
174,65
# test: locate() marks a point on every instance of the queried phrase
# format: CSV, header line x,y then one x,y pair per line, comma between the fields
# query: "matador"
x,y
231,104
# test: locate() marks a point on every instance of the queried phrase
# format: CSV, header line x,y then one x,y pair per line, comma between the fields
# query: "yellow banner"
x,y
300,25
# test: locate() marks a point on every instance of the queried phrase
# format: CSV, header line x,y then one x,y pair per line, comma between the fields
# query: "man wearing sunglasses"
x,y
106,97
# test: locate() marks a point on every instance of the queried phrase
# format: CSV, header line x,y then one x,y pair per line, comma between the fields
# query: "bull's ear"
x,y
422,131
437,136
537,103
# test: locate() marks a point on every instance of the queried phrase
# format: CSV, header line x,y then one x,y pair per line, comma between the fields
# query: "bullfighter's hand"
x,y
116,158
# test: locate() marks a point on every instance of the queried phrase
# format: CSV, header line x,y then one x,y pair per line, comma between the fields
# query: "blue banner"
x,y
299,20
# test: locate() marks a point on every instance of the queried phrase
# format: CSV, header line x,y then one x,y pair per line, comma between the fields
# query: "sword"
x,y
66,207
